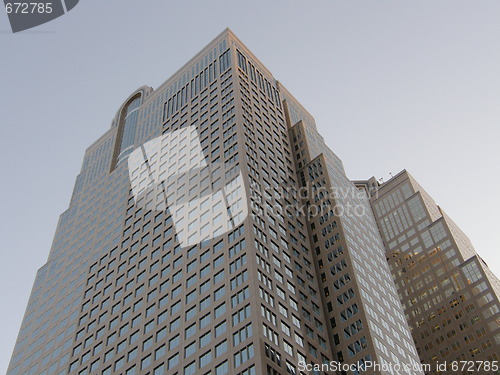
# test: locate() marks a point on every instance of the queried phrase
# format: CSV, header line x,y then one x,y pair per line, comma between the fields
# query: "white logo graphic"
x,y
170,172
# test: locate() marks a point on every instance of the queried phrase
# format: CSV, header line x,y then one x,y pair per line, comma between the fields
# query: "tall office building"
x,y
450,297
212,231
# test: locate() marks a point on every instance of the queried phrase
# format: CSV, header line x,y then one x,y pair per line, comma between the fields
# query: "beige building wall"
x,y
366,319
120,294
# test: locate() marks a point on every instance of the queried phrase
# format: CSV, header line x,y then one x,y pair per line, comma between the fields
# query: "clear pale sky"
x,y
392,85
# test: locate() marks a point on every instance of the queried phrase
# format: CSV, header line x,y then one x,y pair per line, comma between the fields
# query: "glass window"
x,y
189,331
205,359
205,339
173,361
222,369
160,370
220,329
204,321
220,310
173,342
190,369
471,272
146,362
190,349
221,348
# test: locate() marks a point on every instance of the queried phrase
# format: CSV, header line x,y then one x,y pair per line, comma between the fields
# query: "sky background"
x,y
392,85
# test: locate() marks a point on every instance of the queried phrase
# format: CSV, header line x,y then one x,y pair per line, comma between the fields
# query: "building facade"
x,y
212,231
450,297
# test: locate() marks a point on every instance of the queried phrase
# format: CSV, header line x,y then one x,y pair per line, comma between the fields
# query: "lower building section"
x,y
449,295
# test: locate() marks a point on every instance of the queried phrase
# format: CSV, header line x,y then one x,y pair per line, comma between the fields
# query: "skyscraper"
x,y
212,231
450,297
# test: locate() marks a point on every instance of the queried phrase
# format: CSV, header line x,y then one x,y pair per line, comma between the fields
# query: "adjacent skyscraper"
x,y
212,231
450,297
